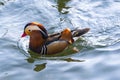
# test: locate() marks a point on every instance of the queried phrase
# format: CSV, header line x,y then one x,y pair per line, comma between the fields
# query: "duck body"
x,y
43,43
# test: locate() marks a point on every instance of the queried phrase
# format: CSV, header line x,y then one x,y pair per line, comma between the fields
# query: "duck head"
x,y
38,35
34,26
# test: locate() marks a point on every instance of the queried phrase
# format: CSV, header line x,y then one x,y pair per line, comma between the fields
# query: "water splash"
x,y
23,45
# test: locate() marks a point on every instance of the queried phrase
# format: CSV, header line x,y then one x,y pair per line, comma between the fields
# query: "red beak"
x,y
24,34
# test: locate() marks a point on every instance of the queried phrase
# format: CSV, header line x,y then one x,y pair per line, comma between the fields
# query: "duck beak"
x,y
24,34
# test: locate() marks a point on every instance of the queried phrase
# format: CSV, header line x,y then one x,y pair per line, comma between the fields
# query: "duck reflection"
x,y
73,60
61,6
30,60
40,67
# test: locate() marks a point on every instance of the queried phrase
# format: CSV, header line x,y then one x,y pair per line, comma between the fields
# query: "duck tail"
x,y
75,32
79,32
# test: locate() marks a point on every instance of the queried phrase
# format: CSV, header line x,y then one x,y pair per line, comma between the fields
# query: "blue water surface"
x,y
98,57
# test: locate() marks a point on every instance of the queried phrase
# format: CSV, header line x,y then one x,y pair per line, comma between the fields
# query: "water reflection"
x,y
62,7
1,3
40,67
4,1
30,60
39,58
73,60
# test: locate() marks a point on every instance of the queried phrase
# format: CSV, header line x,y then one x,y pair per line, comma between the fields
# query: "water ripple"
x,y
100,48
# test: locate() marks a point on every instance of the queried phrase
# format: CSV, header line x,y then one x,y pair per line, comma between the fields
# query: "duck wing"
x,y
75,33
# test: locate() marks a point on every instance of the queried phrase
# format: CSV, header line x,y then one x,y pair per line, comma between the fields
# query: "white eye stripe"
x,y
34,27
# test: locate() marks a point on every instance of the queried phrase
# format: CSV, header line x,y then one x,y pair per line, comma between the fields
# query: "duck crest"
x,y
40,26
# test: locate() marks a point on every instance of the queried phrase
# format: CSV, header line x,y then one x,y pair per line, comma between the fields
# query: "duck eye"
x,y
29,30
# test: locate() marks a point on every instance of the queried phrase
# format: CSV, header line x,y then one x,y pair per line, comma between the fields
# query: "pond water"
x,y
98,57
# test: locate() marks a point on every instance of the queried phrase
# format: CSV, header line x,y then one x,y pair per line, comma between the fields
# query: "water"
x,y
99,50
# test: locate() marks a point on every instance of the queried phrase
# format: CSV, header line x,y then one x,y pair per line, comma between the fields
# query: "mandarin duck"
x,y
43,43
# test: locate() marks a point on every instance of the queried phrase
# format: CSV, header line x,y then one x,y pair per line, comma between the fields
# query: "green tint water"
x,y
96,55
